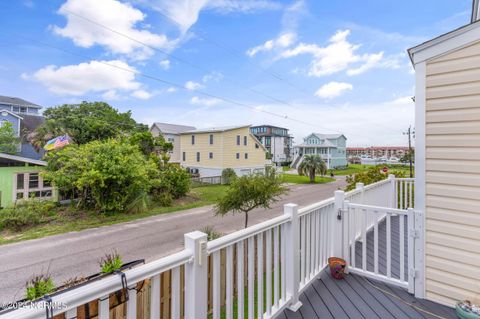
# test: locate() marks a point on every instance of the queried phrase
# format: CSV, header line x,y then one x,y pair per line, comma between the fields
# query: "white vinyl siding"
x,y
452,176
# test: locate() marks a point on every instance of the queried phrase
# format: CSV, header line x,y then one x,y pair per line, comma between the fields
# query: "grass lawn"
x,y
298,179
67,219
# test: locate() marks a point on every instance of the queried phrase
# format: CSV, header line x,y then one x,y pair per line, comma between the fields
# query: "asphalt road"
x,y
77,254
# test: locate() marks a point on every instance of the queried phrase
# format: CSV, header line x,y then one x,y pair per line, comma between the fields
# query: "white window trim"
x,y
26,189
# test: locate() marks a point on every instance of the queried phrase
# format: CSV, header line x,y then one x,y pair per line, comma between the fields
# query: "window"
x,y
23,110
244,140
210,155
184,156
238,139
193,139
238,155
211,139
20,181
256,145
171,139
246,155
33,181
198,156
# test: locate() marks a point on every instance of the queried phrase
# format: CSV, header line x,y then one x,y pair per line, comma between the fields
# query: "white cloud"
x,y
111,95
212,76
165,64
192,86
185,13
333,89
204,101
142,94
339,55
281,42
171,89
93,76
116,15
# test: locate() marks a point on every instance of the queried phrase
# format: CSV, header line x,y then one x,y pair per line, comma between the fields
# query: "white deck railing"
x,y
277,259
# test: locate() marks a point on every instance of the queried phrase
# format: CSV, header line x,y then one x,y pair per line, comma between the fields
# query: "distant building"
x,y
330,147
209,151
171,133
276,140
20,172
377,151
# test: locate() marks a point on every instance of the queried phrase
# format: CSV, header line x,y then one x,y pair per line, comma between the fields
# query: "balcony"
x,y
276,269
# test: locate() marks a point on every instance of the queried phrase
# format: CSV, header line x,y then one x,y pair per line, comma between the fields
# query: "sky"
x,y
309,66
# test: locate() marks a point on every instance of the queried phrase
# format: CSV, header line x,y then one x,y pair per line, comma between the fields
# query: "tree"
x,y
108,175
8,138
248,192
310,165
149,144
84,122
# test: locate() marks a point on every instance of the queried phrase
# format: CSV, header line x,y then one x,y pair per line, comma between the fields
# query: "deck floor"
x,y
359,297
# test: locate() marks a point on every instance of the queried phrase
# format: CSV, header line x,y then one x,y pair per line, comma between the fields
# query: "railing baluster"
x,y
411,195
283,263
389,246
229,284
402,246
132,302
405,194
353,247
103,307
260,275
364,239
240,281
308,242
268,270
72,314
318,243
155,297
346,232
175,293
251,277
375,242
276,266
302,249
216,285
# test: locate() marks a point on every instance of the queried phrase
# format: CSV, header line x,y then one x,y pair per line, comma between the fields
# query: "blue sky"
x,y
322,66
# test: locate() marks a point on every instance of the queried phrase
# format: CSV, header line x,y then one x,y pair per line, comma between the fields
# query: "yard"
x,y
65,219
298,179
357,168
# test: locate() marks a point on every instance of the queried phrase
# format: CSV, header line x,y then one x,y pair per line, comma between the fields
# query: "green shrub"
x,y
39,286
228,175
28,213
211,233
163,199
178,180
371,175
110,262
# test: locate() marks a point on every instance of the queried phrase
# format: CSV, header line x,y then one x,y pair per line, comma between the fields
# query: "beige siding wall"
x,y
224,149
453,176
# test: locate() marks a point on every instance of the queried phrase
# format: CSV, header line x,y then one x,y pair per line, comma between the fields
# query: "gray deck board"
x,y
357,297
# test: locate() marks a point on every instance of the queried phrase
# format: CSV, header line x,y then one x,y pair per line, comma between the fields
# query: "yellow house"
x,y
447,163
209,151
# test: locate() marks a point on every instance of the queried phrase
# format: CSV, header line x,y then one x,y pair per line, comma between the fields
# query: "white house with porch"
x,y
332,148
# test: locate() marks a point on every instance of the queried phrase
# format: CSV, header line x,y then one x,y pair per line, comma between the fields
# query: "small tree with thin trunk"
x,y
311,165
249,192
8,139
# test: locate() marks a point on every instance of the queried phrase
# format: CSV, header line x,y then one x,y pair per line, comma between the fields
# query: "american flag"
x,y
61,141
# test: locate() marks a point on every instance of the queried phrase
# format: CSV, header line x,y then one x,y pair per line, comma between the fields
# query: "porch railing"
x,y
262,269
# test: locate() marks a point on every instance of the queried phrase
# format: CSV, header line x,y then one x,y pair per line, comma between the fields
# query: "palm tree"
x,y
310,165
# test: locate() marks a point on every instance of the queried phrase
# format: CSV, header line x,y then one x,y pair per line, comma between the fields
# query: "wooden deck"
x,y
359,297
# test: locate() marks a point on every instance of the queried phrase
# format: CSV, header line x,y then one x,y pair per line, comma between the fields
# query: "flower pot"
x,y
337,267
465,312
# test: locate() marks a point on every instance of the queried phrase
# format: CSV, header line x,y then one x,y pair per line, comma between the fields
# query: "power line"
x,y
151,77
177,58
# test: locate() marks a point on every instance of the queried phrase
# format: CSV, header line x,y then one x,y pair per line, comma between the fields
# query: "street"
x,y
77,254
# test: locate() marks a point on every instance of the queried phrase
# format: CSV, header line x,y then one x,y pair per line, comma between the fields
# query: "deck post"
x,y
393,197
419,253
196,276
361,187
292,256
336,237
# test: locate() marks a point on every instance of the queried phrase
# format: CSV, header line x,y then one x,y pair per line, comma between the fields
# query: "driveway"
x,y
77,254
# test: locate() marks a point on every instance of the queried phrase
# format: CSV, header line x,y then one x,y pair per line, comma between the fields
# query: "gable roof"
x,y
17,101
445,43
215,129
329,136
172,128
11,113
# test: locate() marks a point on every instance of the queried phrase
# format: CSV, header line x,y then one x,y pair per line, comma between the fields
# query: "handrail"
x,y
307,209
240,235
97,289
379,209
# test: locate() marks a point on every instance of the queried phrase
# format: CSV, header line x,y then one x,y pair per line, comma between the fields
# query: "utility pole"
x,y
410,132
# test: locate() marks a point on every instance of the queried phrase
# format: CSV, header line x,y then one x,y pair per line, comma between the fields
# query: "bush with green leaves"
x,y
27,213
211,233
110,263
107,175
171,182
8,138
228,175
39,286
371,175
